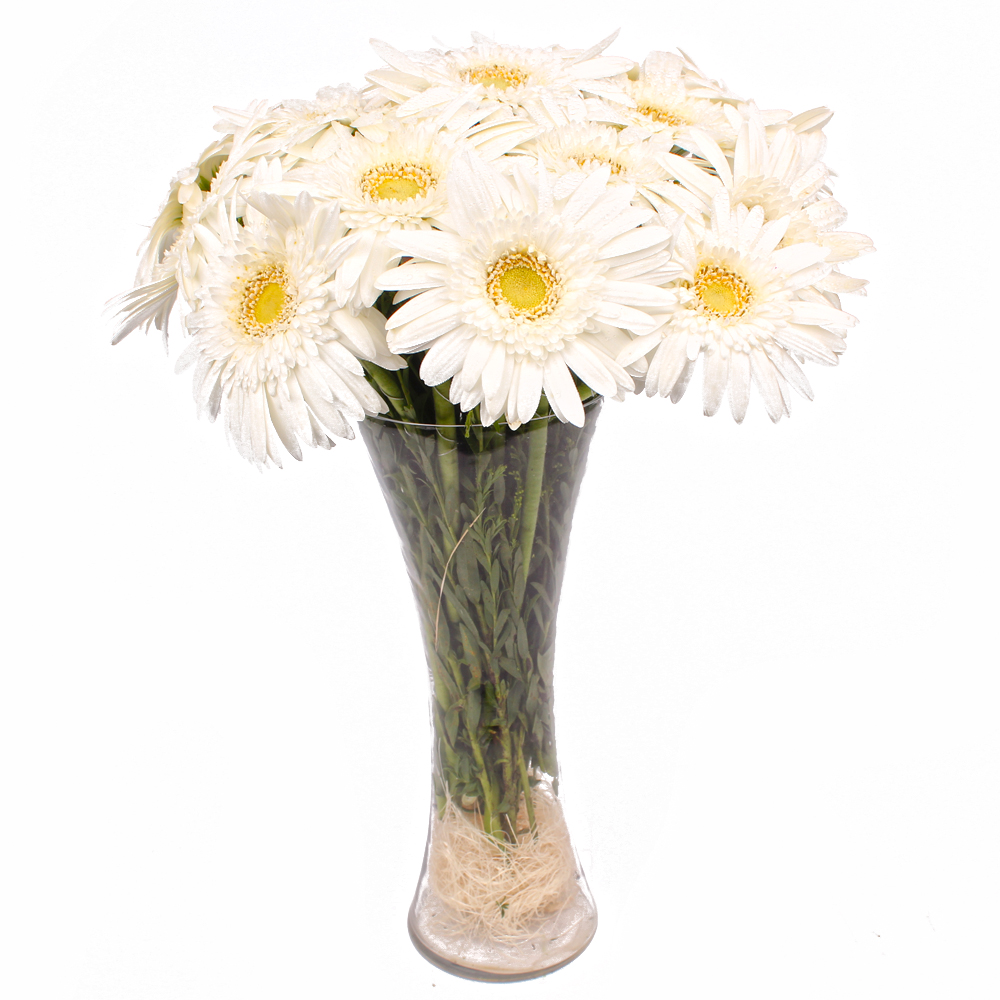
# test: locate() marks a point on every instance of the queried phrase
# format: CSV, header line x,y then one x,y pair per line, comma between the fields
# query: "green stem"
x,y
447,451
491,823
533,491
510,789
389,388
404,383
525,785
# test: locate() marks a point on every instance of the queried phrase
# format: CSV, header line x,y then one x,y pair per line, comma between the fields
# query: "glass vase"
x,y
484,514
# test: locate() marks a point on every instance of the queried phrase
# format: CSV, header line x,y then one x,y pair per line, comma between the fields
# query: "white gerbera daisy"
x,y
152,300
662,103
297,121
172,253
782,173
270,348
381,187
739,304
528,289
572,151
546,85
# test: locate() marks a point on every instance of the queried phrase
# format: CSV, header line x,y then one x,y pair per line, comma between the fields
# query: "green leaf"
x,y
489,605
536,728
444,632
509,665
522,639
506,634
468,575
463,613
451,724
501,618
465,768
531,703
473,707
514,697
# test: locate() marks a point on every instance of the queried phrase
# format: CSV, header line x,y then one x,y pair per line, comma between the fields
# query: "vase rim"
x,y
379,418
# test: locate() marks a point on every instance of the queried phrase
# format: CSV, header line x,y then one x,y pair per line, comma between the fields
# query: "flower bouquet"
x,y
467,256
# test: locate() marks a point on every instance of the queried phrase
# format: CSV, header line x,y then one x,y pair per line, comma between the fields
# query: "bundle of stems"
x,y
483,514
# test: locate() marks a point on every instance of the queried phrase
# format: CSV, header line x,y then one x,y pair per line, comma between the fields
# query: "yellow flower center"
x,y
666,116
397,181
266,301
721,291
269,303
586,159
495,75
522,283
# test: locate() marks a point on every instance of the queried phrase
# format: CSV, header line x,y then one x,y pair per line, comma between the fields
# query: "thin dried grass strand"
x,y
444,575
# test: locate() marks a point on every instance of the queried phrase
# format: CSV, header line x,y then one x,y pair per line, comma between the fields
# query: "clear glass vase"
x,y
484,514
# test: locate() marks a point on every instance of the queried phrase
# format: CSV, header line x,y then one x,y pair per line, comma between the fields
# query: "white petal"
x,y
691,175
683,381
355,331
816,314
666,365
444,358
638,348
792,373
765,377
837,282
716,375
635,293
627,318
529,388
476,357
428,244
589,368
739,384
412,276
587,194
473,193
771,234
642,238
807,341
493,370
283,427
798,256
419,305
495,402
413,336
561,392
846,246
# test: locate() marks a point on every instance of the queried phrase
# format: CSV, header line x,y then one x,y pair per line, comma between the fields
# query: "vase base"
x,y
493,971
502,912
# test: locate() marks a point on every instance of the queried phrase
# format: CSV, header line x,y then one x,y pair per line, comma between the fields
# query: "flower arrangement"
x,y
466,256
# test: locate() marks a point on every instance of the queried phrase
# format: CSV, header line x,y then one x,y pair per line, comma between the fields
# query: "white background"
x,y
777,697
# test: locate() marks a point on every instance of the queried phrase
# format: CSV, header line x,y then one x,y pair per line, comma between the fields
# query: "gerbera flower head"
x,y
573,151
152,299
270,350
740,304
780,171
667,101
529,288
296,121
380,187
547,85
172,254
